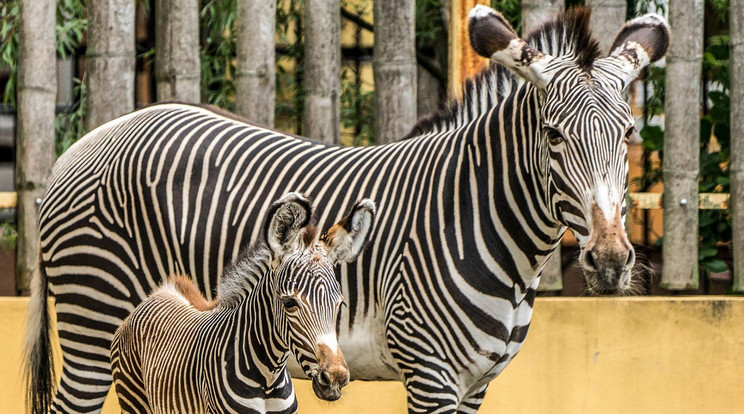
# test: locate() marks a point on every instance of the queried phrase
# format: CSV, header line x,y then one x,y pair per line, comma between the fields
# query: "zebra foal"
x,y
177,352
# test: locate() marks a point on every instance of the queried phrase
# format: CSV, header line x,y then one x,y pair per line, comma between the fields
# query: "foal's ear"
x,y
286,218
641,41
347,238
491,36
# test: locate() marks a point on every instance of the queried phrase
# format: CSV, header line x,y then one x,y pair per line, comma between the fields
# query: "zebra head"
x,y
308,292
581,126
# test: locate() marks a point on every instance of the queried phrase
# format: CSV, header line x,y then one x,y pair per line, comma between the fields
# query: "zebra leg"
x,y
425,397
85,340
127,372
83,388
473,400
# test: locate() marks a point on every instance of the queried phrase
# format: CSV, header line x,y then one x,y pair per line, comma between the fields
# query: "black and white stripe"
x,y
470,209
179,353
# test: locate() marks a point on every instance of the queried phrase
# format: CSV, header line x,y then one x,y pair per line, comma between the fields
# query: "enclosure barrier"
x,y
585,355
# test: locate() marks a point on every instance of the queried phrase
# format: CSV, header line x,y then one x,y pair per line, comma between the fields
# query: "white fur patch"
x,y
330,341
606,201
480,11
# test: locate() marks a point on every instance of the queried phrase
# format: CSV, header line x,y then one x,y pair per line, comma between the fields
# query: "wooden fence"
x,y
111,56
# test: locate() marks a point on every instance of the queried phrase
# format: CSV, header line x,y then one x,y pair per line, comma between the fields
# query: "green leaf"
x,y
706,252
715,266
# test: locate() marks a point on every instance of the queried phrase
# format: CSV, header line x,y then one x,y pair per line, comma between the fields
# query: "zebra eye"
x,y
628,134
290,303
554,137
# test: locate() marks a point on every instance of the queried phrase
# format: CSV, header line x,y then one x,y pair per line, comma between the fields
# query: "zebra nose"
x,y
616,261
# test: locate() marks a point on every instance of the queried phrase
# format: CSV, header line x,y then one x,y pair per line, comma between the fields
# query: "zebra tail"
x,y
38,372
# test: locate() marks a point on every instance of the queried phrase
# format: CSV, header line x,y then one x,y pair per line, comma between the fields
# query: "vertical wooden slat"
x,y
534,12
322,70
177,66
255,76
736,168
682,145
109,60
37,92
394,69
463,61
608,16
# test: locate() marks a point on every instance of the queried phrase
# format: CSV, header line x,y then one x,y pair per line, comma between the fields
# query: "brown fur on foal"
x,y
188,289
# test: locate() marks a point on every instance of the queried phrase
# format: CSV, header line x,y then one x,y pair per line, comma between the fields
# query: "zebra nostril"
x,y
324,379
631,258
589,260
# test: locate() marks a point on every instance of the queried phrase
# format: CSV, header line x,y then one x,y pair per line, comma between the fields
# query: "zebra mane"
x,y
242,275
567,35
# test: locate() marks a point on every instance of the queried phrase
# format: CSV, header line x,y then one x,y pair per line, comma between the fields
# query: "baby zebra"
x,y
178,353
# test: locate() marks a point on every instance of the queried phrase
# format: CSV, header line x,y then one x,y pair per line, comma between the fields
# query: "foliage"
x,y
357,109
511,10
218,50
70,125
714,225
290,90
8,236
9,46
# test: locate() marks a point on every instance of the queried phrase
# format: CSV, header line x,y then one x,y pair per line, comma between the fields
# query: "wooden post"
x,y
37,93
736,168
427,92
323,70
682,145
394,69
109,60
463,61
177,66
535,12
608,16
255,76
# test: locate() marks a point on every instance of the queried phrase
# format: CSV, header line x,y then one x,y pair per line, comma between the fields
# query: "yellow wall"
x,y
583,355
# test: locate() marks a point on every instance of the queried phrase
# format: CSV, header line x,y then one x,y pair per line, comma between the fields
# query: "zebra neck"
x,y
260,353
514,230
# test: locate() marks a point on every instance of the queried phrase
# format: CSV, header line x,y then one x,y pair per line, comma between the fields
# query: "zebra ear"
x,y
347,238
491,36
286,219
641,41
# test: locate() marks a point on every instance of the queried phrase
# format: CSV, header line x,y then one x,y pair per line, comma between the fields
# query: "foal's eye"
x,y
554,137
290,303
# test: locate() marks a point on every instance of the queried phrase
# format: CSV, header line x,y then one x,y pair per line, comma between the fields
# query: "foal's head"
x,y
307,293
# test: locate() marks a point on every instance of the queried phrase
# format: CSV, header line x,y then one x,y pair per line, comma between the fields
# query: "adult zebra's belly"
x,y
365,351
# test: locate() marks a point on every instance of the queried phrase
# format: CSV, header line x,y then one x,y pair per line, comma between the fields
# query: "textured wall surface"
x,y
585,355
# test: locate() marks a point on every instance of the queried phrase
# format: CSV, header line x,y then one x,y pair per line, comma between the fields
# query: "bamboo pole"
x,y
37,92
463,61
535,12
109,60
322,70
682,145
394,69
255,76
608,16
177,66
736,168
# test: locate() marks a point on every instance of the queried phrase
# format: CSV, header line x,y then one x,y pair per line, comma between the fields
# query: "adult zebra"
x,y
472,206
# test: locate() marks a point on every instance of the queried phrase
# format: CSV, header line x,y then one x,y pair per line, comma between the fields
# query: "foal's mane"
x,y
241,276
567,34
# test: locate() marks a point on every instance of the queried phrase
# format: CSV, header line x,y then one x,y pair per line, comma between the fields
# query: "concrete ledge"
x,y
583,355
